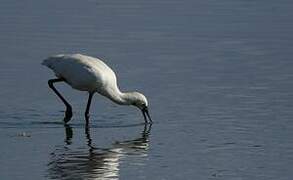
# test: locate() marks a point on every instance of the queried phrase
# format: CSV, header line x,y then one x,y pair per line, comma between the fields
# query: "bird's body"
x,y
81,72
90,74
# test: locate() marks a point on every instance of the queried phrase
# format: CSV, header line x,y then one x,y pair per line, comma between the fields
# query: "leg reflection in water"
x,y
68,133
94,162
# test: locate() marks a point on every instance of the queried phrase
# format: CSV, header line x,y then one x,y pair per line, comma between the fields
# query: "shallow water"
x,y
218,76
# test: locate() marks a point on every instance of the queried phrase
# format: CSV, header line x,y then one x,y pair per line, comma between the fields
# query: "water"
x,y
218,76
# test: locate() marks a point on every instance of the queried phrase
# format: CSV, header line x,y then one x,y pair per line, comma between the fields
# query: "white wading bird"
x,y
90,74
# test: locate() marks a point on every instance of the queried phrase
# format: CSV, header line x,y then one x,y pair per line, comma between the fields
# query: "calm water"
x,y
218,75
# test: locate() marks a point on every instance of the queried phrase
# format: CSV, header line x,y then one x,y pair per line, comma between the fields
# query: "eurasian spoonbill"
x,y
90,74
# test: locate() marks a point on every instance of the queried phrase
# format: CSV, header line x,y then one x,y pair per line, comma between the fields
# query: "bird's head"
x,y
139,100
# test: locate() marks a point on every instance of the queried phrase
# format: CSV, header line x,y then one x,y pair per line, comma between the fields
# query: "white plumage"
x,y
82,72
90,74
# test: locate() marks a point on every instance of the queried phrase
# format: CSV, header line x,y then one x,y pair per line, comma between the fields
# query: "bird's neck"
x,y
117,96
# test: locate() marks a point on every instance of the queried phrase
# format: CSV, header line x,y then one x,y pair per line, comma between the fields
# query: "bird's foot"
x,y
68,115
87,117
148,122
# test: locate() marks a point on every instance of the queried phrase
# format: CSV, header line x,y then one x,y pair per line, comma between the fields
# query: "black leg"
x,y
68,112
86,114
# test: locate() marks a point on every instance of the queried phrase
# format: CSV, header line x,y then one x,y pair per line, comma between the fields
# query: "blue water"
x,y
217,74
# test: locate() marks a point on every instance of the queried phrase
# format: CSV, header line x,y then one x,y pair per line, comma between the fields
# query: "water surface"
x,y
218,76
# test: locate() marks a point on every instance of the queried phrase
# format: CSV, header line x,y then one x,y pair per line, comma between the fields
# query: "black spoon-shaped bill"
x,y
146,115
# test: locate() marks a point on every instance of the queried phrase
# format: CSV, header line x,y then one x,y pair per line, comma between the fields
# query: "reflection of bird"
x,y
95,163
90,74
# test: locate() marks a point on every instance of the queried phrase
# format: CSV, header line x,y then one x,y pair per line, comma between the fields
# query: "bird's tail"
x,y
50,61
47,62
